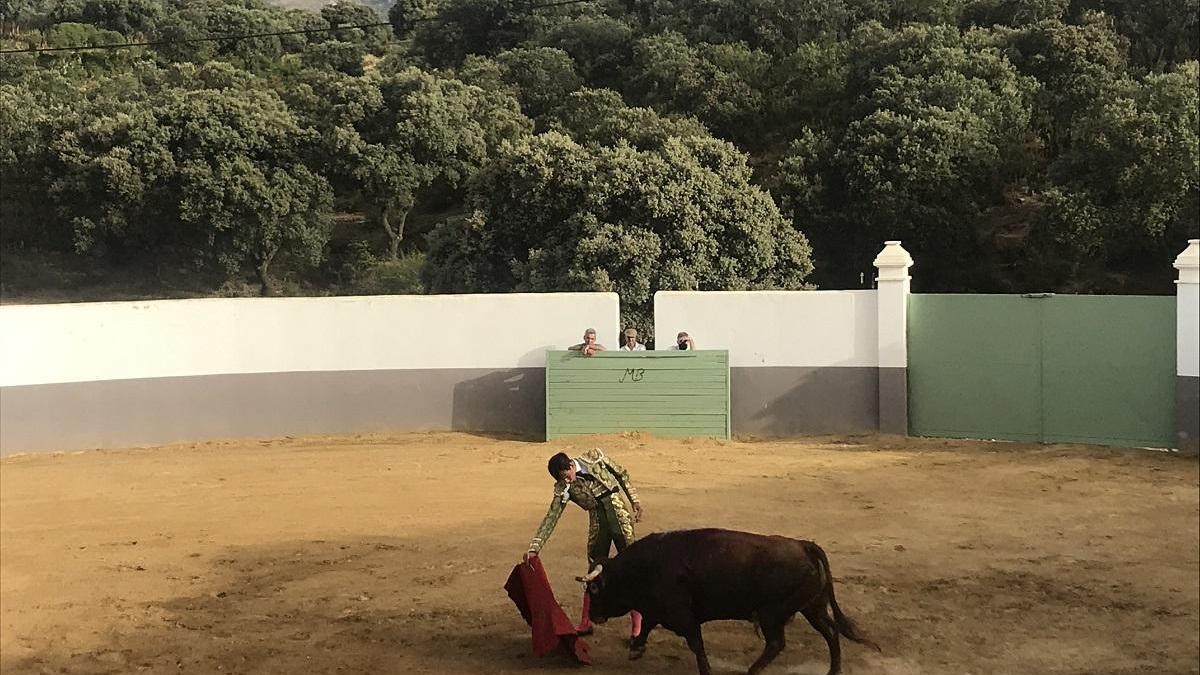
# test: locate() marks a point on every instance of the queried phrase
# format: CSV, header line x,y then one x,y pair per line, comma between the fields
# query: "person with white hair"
x,y
589,345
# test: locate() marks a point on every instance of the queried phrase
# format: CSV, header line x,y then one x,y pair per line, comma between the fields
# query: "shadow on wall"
x,y
510,403
790,401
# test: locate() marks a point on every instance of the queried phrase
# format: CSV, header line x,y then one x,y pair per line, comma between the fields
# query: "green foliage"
x,y
939,129
1159,32
128,17
550,214
241,201
204,175
405,15
389,137
376,276
719,84
373,40
601,117
466,27
1011,144
986,13
599,46
1130,186
540,77
1075,65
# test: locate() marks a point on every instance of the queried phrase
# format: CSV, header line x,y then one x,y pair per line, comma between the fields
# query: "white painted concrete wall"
x,y
1187,317
1187,312
774,328
42,344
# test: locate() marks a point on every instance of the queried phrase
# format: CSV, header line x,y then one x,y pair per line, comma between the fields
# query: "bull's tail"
x,y
844,624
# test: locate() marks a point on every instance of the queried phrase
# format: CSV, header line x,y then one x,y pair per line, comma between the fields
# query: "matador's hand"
x,y
637,512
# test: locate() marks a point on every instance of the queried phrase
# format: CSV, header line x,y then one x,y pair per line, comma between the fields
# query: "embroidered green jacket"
x,y
606,475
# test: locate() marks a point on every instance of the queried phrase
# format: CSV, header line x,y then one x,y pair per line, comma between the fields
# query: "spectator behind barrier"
x,y
589,345
683,341
631,341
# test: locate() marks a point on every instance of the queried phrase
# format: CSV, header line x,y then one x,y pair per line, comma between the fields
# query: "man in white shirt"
x,y
631,342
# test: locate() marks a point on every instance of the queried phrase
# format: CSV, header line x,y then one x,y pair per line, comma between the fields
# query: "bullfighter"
x,y
600,486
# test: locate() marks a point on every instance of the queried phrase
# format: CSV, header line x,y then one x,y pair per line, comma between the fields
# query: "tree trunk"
x,y
395,232
261,272
393,235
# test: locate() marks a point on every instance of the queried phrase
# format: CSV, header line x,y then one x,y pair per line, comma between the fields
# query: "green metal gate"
x,y
668,393
1084,369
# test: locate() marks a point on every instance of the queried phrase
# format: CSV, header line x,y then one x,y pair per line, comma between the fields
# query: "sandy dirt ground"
x,y
387,554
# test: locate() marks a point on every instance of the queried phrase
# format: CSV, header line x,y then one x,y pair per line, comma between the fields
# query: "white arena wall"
x,y
116,374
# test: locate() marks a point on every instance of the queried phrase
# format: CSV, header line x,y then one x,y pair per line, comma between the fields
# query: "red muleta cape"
x,y
552,629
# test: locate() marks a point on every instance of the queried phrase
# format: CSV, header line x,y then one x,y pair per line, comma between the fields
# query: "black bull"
x,y
681,579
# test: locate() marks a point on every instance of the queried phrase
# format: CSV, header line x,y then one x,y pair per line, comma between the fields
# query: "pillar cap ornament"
x,y
893,262
1188,263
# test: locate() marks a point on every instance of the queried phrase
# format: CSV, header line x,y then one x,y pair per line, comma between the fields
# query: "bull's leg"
x,y
637,647
599,541
825,626
774,634
695,641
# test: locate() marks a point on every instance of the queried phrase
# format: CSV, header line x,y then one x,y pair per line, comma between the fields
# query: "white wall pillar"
x,y
1187,348
892,283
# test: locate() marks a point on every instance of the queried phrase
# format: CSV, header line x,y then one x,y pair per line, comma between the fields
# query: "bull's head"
x,y
602,601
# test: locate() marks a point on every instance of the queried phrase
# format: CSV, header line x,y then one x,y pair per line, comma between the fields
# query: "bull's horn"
x,y
591,576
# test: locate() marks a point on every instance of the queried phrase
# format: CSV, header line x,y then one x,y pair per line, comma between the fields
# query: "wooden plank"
x,y
668,432
688,376
582,392
673,418
643,391
622,426
620,382
714,404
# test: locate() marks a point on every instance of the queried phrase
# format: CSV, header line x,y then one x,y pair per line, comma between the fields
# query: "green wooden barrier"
x,y
666,393
1085,369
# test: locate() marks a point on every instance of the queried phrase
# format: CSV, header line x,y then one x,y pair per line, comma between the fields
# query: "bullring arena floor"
x,y
388,553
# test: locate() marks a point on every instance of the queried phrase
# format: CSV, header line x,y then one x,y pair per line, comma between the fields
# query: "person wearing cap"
x,y
683,341
589,345
602,487
631,342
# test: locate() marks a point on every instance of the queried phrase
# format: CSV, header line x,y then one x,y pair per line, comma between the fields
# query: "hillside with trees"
x,y
225,147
